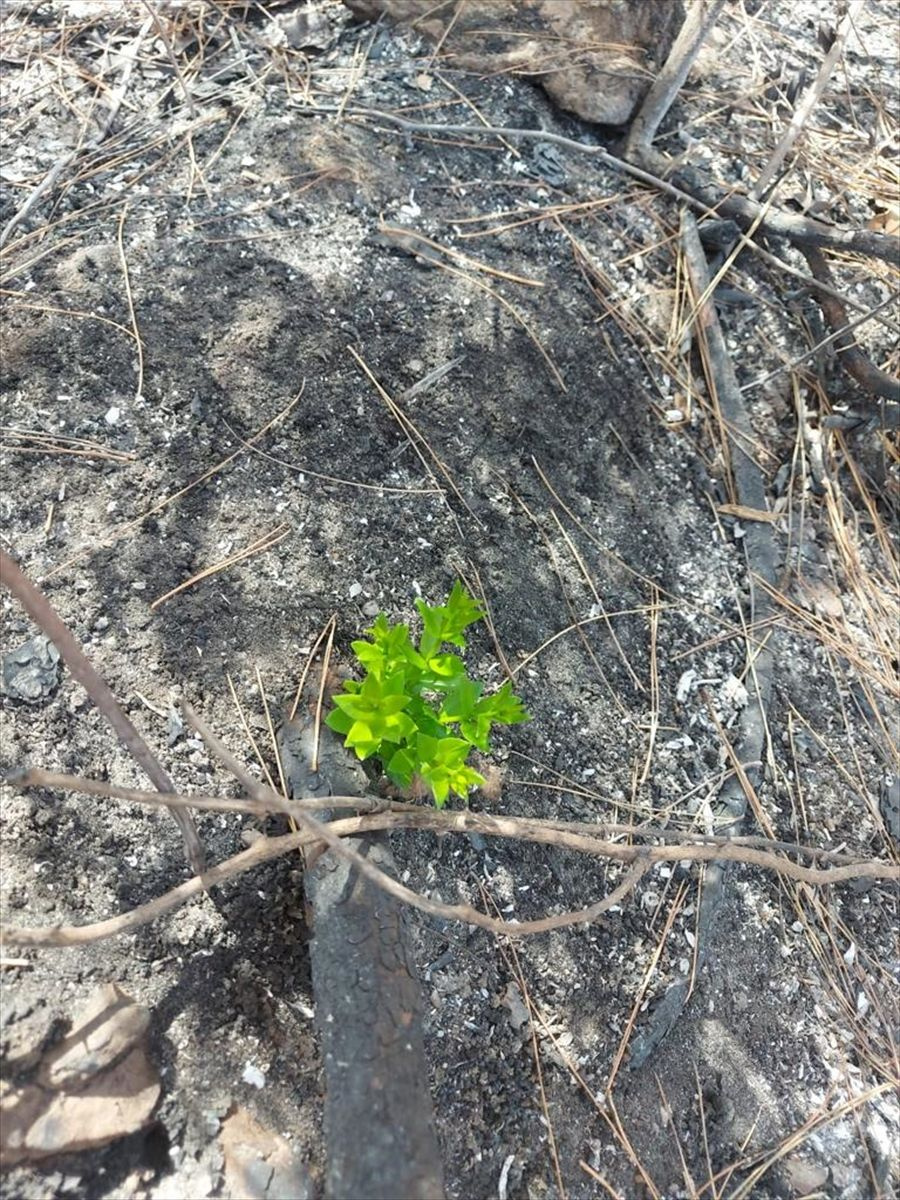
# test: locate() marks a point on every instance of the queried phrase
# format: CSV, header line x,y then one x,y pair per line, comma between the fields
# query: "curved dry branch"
x,y
269,848
36,777
639,858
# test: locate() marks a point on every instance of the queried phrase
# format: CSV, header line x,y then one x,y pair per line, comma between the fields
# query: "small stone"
x,y
254,1076
31,671
112,415
370,608
804,1177
355,590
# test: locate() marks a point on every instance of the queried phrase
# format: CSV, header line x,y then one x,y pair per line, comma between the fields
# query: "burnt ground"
x,y
254,262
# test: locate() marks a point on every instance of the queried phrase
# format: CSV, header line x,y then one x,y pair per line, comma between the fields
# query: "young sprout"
x,y
416,710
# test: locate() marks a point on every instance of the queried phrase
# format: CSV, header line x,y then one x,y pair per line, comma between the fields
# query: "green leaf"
x,y
463,780
460,701
440,788
425,718
354,706
460,611
392,704
477,732
433,628
380,629
339,721
451,752
446,666
504,708
397,728
371,656
360,739
401,767
443,780
426,747
445,623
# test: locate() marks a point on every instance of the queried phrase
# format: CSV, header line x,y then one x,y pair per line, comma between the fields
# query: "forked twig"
x,y
455,912
539,829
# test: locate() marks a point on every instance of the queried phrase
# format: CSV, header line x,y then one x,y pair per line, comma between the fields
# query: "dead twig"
x,y
259,546
457,912
839,335
641,859
35,441
426,250
807,103
136,333
416,438
269,801
747,490
419,245
43,614
154,15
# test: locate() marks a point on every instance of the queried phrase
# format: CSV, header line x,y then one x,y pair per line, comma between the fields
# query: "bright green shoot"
x,y
417,710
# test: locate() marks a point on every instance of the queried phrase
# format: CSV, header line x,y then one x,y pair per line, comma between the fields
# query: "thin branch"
x,y
839,333
43,614
136,333
192,108
805,107
452,912
698,21
268,848
36,777
640,859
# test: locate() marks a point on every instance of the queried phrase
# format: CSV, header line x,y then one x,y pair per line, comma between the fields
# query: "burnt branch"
x,y
849,354
698,21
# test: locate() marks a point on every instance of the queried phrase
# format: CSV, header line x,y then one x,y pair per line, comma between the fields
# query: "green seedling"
x,y
416,709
